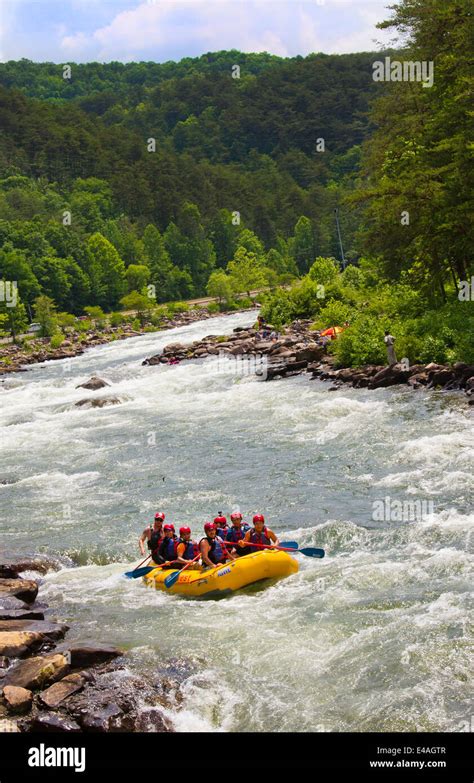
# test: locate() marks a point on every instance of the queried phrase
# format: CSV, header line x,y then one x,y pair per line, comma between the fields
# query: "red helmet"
x,y
257,518
220,520
168,527
210,526
236,515
160,515
184,530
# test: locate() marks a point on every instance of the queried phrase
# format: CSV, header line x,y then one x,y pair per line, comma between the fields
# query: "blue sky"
x,y
85,30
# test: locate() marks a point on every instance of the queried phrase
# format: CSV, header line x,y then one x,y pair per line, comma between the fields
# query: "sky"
x,y
65,31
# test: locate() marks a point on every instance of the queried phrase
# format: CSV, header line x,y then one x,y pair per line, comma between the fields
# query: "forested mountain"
x,y
180,148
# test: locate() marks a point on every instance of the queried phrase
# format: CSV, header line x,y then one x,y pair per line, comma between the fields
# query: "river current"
x,y
375,637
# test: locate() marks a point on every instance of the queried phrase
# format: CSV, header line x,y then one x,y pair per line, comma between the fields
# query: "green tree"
x,y
245,272
14,318
45,314
140,303
219,286
106,271
137,276
304,244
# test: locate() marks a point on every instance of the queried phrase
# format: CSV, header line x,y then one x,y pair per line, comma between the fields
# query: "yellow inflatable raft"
x,y
224,579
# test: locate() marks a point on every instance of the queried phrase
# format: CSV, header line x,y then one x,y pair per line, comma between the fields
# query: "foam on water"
x,y
373,637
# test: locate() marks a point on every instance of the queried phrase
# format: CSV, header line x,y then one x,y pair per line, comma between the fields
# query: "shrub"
x,y
213,307
136,325
56,340
335,313
361,343
116,319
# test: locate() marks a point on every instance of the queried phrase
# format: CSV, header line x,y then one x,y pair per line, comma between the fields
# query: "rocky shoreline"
x,y
296,350
77,343
48,684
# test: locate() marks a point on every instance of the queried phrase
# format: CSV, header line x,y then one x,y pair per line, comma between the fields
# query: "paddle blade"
x,y
312,552
289,544
171,579
139,572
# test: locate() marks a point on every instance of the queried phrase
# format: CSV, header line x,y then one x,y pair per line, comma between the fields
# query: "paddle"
x,y
172,578
308,551
131,574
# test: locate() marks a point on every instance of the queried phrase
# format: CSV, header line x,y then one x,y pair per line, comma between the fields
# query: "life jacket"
x,y
234,535
190,549
155,540
168,548
259,538
222,531
216,551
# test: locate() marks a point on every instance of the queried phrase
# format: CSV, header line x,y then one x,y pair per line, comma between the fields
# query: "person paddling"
x,y
186,549
168,548
152,534
259,534
236,533
221,523
213,549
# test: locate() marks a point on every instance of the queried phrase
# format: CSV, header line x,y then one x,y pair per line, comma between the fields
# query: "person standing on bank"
x,y
389,341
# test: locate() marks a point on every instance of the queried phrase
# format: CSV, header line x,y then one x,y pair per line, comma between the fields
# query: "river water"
x,y
375,637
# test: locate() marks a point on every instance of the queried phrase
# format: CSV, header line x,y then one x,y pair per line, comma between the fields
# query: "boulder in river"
x,y
83,654
52,722
24,589
18,700
99,402
93,383
21,614
15,564
34,673
59,691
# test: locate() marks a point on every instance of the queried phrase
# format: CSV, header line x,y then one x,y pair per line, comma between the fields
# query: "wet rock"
x,y
100,402
35,672
389,376
10,602
84,654
7,573
152,360
152,720
310,353
51,721
21,614
4,662
17,644
49,630
59,691
24,589
18,700
93,383
40,563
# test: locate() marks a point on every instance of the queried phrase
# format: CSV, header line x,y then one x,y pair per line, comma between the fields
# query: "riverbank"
x,y
13,358
50,684
296,350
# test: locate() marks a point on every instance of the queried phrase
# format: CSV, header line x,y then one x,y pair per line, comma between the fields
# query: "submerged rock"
x,y
93,383
99,402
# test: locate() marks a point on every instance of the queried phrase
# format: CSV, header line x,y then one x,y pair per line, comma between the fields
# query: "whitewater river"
x,y
374,637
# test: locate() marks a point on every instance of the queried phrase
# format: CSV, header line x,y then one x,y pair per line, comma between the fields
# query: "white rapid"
x,y
374,637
